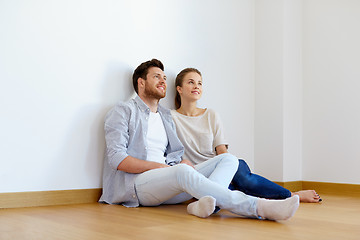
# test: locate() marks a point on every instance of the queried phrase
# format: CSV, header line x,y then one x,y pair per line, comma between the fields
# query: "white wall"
x,y
307,101
278,89
63,64
268,88
331,91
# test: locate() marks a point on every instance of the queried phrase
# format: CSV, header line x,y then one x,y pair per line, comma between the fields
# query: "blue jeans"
x,y
181,182
255,185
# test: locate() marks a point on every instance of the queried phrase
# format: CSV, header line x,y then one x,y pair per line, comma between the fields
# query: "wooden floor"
x,y
335,218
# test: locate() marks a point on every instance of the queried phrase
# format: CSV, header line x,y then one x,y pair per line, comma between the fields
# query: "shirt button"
x,y
134,196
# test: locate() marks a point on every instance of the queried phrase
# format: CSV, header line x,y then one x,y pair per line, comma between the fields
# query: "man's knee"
x,y
184,173
230,158
183,169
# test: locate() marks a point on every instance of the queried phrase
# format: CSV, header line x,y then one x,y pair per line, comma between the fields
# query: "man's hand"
x,y
160,165
187,162
135,165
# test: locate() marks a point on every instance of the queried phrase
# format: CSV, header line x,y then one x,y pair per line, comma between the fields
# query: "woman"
x,y
200,131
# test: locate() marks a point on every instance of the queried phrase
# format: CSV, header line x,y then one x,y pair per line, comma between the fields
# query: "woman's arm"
x,y
221,149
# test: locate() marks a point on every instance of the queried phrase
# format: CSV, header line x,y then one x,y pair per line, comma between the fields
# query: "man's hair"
x,y
179,82
142,70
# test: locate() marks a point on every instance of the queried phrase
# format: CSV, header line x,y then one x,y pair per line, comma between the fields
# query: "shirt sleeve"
x,y
218,130
117,135
175,149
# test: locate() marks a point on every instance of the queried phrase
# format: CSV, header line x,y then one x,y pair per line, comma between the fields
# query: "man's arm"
x,y
135,165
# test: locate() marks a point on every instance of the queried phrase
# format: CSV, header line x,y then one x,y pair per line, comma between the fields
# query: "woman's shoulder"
x,y
211,112
174,113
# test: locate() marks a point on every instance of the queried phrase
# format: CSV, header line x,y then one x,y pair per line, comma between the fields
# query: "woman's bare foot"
x,y
308,196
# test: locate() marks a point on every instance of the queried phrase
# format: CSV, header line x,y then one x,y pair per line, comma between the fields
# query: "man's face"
x,y
155,83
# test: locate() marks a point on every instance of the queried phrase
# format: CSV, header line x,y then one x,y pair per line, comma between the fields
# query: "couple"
x,y
144,163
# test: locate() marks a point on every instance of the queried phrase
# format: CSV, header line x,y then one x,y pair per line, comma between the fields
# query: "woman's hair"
x,y
142,70
179,82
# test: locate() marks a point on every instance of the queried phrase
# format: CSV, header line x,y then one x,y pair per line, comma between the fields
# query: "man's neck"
x,y
152,103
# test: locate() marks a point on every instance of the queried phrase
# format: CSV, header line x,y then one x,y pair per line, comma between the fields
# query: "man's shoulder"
x,y
164,109
123,107
126,104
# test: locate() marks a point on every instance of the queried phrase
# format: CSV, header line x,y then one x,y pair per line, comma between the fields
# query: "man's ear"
x,y
141,82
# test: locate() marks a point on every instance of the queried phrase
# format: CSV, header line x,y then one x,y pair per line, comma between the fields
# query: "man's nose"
x,y
163,79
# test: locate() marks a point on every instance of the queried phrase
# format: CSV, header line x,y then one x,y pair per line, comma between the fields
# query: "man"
x,y
143,164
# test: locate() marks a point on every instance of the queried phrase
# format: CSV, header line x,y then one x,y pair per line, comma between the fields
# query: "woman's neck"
x,y
190,109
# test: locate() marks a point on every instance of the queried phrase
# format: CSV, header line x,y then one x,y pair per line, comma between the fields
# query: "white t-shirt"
x,y
199,135
156,139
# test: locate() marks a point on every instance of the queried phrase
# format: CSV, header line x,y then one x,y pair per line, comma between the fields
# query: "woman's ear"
x,y
179,89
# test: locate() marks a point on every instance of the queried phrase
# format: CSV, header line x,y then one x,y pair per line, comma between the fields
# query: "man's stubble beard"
x,y
151,92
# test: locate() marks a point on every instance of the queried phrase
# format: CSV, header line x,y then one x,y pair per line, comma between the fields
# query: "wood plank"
x,y
62,197
337,217
46,198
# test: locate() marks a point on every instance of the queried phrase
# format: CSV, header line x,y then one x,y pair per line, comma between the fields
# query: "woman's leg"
x,y
255,185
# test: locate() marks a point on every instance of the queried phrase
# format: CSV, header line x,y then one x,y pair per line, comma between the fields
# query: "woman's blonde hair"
x,y
179,81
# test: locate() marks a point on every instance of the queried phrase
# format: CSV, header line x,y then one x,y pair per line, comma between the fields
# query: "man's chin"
x,y
158,96
161,96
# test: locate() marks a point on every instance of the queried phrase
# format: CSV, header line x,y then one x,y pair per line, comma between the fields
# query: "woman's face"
x,y
191,88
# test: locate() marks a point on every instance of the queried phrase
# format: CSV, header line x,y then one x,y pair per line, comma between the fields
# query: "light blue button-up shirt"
x,y
126,126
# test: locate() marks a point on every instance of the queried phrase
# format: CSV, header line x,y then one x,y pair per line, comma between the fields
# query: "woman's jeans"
x,y
181,182
256,185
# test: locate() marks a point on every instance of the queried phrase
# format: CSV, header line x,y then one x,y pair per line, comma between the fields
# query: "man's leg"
x,y
219,169
156,186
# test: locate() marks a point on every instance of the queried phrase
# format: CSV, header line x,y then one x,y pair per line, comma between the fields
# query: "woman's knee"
x,y
243,167
243,173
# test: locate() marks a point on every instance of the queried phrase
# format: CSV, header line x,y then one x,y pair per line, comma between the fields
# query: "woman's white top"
x,y
156,139
199,135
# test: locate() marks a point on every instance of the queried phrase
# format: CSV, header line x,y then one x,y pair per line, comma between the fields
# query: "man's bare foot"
x,y
308,196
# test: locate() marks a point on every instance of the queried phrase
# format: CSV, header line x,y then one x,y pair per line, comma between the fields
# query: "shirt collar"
x,y
143,107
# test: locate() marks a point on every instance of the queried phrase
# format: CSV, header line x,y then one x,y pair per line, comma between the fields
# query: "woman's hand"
x,y
221,149
187,162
